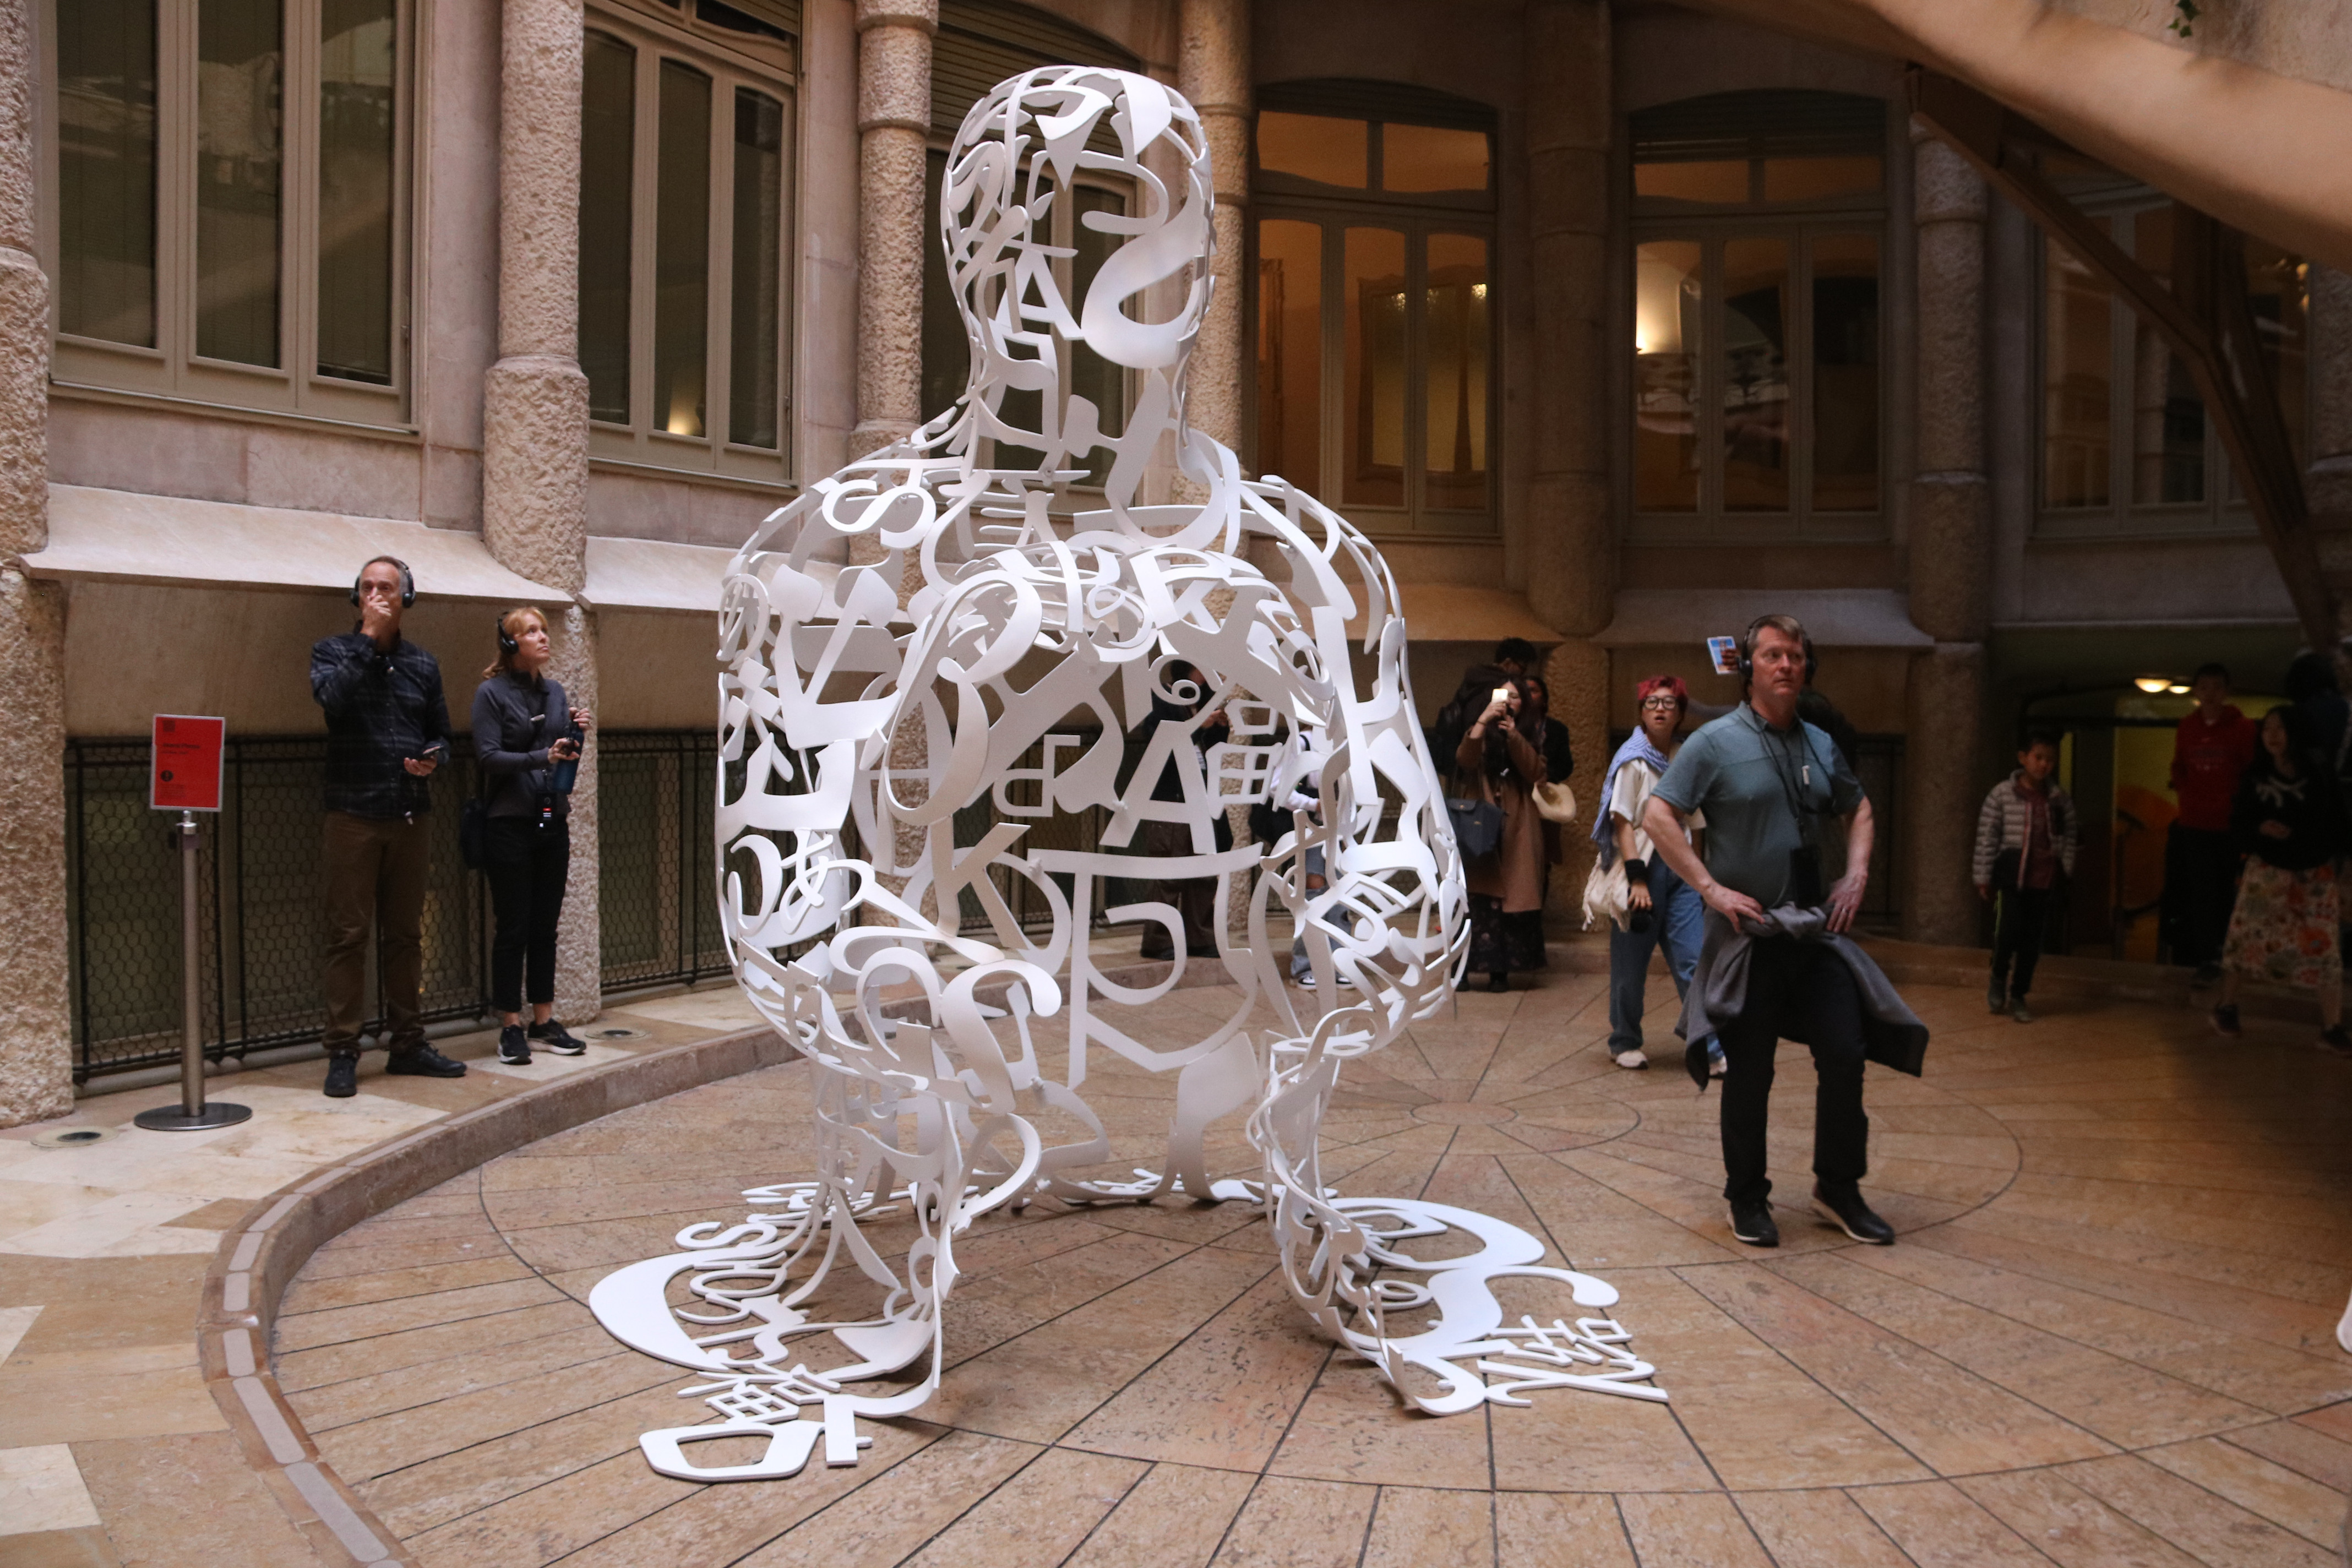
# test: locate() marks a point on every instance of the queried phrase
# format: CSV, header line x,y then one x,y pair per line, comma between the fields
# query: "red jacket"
x,y
2206,761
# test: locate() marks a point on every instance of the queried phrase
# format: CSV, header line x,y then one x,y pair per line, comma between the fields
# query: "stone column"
x,y
1565,539
893,117
1213,72
1951,554
535,408
35,1031
2328,481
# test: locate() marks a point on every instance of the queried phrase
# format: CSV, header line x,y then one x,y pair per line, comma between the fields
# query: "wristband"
x,y
1637,871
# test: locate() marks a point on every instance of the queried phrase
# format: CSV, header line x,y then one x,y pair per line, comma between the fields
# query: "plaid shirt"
x,y
381,708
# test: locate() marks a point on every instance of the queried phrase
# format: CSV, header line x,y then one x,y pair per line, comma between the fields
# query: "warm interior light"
x,y
2152,684
2178,690
1658,289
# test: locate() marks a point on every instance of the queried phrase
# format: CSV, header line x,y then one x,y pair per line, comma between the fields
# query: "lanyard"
x,y
1790,791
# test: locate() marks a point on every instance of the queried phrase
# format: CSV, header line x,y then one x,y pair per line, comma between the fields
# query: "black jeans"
x,y
527,866
2020,916
1798,991
2200,887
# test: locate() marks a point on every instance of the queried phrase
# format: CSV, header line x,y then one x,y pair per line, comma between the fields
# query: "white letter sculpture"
x,y
842,708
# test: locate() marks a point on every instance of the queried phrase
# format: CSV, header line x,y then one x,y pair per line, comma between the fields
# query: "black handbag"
x,y
1478,826
474,833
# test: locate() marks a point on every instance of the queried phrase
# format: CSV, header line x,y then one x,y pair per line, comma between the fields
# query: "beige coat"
x,y
1515,872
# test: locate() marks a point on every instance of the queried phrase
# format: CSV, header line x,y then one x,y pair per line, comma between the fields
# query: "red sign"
x,y
187,773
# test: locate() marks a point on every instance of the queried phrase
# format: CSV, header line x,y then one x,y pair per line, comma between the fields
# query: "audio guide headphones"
x,y
507,642
407,581
1748,651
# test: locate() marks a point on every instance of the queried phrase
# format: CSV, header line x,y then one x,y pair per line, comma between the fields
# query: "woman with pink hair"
x,y
1661,907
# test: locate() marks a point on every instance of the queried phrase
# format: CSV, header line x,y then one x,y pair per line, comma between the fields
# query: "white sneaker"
x,y
1632,1060
1715,1067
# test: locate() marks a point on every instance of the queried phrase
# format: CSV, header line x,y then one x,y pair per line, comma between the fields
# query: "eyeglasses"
x,y
1660,704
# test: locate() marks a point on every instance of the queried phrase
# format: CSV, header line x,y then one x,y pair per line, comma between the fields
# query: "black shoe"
x,y
1498,981
342,1077
553,1037
1997,997
514,1046
1752,1222
2334,1039
2207,974
1851,1215
2225,1021
421,1060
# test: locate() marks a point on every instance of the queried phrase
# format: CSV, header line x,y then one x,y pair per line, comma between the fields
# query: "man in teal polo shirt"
x,y
1765,779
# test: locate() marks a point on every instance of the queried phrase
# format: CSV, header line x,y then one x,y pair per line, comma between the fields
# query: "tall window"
x,y
979,43
1759,222
1373,310
685,169
2126,447
231,221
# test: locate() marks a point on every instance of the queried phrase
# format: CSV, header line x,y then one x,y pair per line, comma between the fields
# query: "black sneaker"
x,y
342,1077
554,1038
514,1046
421,1060
1752,1222
2225,1020
1851,1215
2334,1039
2207,974
1997,998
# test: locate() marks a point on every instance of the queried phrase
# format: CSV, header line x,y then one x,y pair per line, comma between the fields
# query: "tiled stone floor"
x,y
2105,1336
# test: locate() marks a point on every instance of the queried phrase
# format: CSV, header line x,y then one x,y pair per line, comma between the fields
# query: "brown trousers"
x,y
376,871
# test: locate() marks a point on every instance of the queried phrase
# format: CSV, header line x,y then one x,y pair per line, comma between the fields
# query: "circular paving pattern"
x,y
2105,1335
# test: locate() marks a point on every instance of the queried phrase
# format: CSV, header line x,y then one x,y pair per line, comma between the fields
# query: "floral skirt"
x,y
2284,928
1504,944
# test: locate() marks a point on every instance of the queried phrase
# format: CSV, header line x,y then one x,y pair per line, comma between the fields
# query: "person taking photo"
x,y
387,730
525,731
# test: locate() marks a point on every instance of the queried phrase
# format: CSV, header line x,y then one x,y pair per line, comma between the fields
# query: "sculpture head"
x,y
1020,156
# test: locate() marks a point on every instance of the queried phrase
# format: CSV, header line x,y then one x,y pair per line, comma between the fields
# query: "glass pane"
x,y
1290,351
682,250
608,112
1093,377
1372,298
1315,147
1816,179
1455,402
755,332
240,155
355,163
947,357
1667,300
106,170
2167,417
2077,341
2278,288
1715,183
1425,158
1845,372
1755,371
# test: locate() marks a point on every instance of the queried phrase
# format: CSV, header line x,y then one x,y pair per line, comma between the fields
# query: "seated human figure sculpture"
x,y
892,644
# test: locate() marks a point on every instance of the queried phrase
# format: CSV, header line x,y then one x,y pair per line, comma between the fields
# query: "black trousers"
x,y
2200,887
1798,991
2020,916
527,866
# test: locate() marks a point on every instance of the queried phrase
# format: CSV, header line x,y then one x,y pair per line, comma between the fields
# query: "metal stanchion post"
x,y
192,1114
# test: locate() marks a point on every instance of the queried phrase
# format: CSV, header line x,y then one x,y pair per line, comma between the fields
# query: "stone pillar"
x,y
535,408
1213,72
894,117
35,1031
1951,555
2328,481
1565,540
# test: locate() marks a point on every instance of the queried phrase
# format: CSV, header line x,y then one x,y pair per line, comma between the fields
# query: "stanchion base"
x,y
171,1119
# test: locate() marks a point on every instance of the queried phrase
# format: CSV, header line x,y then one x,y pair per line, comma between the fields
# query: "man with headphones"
x,y
387,730
1776,963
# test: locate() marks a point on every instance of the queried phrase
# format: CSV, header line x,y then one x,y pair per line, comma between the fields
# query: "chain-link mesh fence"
x,y
659,914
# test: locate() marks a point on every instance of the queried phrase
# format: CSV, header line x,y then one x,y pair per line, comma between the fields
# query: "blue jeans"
x,y
1675,911
1342,918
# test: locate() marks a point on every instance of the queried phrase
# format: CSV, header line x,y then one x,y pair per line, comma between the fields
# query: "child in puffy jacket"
x,y
2026,835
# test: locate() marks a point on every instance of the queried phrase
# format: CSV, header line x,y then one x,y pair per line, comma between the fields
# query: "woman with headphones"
x,y
525,731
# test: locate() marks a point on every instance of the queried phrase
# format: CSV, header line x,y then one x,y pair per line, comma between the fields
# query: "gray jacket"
x,y
512,731
1892,1034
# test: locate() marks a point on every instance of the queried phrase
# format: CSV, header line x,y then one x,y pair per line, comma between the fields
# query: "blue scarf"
x,y
1638,749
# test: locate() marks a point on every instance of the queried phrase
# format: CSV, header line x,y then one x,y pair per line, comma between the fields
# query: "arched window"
x,y
686,160
1758,233
1374,280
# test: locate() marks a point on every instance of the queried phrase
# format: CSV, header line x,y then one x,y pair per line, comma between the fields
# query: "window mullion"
x,y
1416,374
297,229
1799,358
718,363
175,177
645,221
1709,383
1334,362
